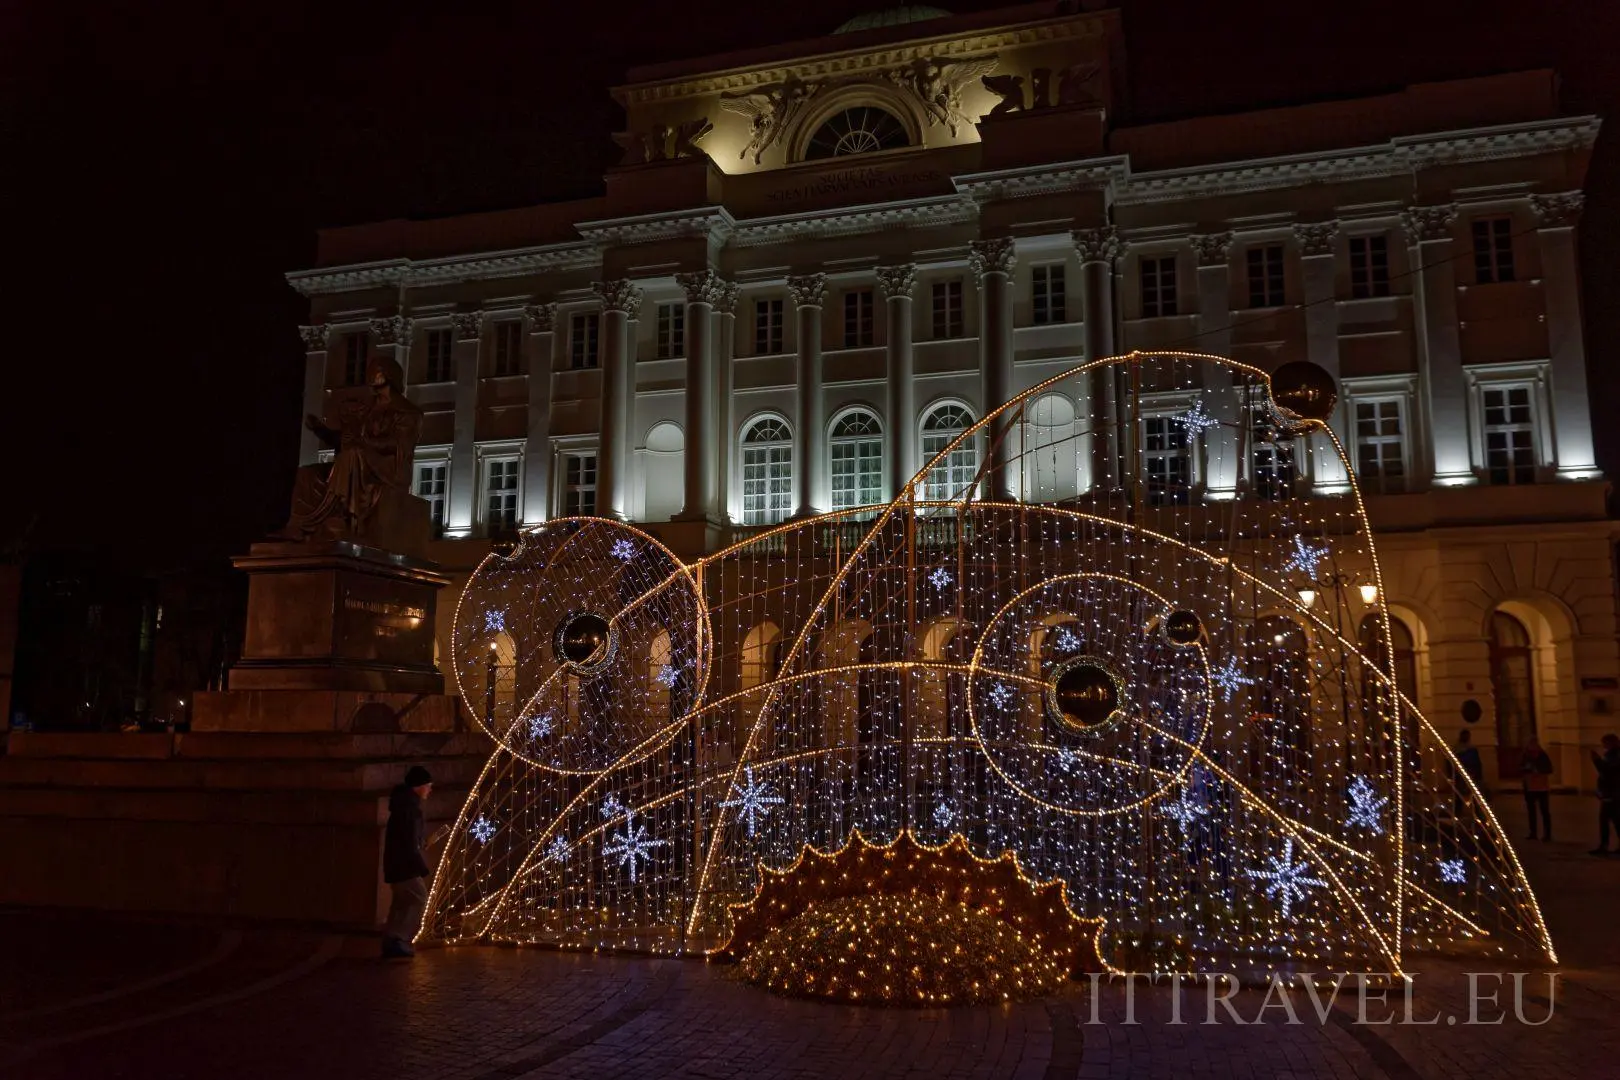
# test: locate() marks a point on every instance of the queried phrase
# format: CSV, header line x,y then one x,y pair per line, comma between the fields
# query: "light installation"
x,y
1119,690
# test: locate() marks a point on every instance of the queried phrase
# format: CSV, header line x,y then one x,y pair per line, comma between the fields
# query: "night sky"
x,y
168,162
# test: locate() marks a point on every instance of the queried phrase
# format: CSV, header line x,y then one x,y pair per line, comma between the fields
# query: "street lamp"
x,y
1307,597
1369,595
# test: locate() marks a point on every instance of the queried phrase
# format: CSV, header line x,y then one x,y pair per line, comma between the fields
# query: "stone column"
x,y
900,426
1097,249
1561,288
810,472
537,444
315,339
1434,295
462,504
621,301
1318,246
1222,467
725,309
992,262
703,290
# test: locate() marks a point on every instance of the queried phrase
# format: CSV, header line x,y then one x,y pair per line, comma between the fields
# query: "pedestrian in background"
x,y
1608,789
405,867
1536,767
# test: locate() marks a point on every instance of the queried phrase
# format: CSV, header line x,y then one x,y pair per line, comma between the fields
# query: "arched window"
x,y
1512,671
859,130
856,447
759,655
767,471
951,478
1052,447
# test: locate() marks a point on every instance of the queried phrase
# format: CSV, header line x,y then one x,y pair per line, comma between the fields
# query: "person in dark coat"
x,y
1535,765
1608,789
405,867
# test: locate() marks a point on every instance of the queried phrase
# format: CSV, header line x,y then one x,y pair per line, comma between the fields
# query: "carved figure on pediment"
x,y
1040,88
687,134
1010,89
655,143
770,110
374,444
1074,84
938,85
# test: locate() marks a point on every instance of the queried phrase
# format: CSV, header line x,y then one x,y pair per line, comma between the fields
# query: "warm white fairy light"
x,y
837,657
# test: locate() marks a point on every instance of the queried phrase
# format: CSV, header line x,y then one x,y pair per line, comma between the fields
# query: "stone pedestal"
x,y
338,617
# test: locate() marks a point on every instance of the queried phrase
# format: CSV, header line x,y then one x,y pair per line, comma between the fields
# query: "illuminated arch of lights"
x,y
1261,793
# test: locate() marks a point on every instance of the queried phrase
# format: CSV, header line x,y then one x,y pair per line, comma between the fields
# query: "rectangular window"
x,y
1266,276
430,488
579,485
1165,460
768,326
1380,446
500,495
441,357
858,318
1369,266
1047,294
857,471
1158,287
1493,249
767,476
948,321
1272,458
508,348
671,330
1510,433
583,330
355,349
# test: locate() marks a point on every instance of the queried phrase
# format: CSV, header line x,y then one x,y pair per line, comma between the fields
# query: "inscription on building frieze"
x,y
874,178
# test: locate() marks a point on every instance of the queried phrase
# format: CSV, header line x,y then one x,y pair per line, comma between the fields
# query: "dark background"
x,y
166,163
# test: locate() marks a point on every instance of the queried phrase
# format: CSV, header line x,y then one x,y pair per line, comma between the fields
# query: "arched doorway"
x,y
1513,686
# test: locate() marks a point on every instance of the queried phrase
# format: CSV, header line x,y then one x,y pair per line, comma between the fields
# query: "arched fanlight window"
x,y
859,130
856,447
767,471
951,478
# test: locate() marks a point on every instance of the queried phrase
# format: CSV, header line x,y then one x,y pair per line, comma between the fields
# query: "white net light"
x,y
1154,684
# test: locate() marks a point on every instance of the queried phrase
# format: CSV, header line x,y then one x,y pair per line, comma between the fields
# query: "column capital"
x,y
468,325
897,281
393,330
1558,211
996,255
1214,249
1316,237
619,294
807,290
542,318
1101,244
725,301
702,287
1424,224
314,337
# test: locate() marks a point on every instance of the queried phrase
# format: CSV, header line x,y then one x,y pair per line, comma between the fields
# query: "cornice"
x,y
1043,179
402,273
711,223
859,62
851,220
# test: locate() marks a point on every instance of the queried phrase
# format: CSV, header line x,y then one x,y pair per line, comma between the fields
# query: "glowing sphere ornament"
x,y
1085,695
585,642
1183,627
1303,391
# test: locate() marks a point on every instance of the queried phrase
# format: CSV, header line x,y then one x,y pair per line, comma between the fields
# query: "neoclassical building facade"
x,y
819,262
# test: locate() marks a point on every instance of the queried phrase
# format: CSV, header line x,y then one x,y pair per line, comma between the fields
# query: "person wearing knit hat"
x,y
405,867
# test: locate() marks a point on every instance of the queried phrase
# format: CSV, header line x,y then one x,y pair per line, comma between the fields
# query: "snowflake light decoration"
x,y
1305,557
540,726
557,851
944,816
611,806
1197,420
632,847
482,829
1066,639
1286,879
940,578
623,549
1000,695
1228,677
1453,871
1185,812
1068,760
668,675
1366,806
494,621
753,800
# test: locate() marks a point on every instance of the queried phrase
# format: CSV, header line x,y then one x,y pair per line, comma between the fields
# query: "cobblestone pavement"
x,y
97,997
